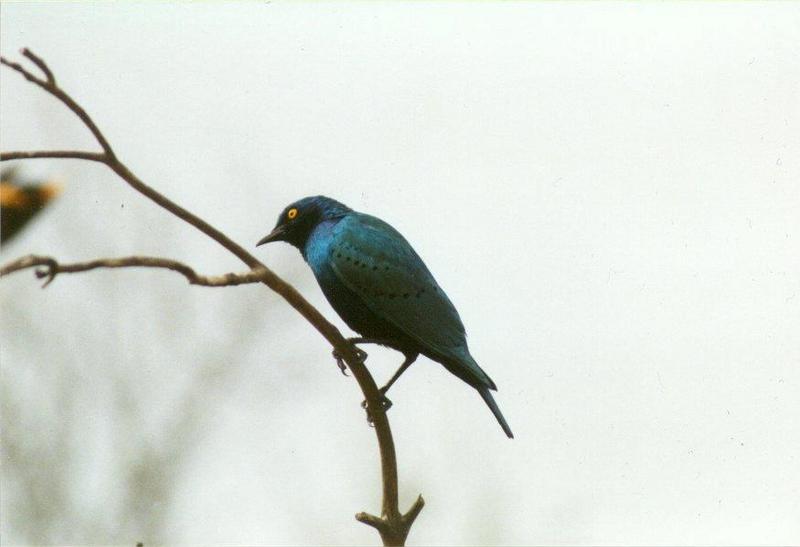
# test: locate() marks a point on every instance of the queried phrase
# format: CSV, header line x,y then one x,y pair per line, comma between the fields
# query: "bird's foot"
x,y
361,355
385,404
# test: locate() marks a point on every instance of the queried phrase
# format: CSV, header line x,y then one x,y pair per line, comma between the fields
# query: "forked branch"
x,y
392,525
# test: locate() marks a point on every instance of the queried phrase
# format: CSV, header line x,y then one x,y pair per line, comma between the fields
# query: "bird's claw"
x,y
361,356
384,402
340,362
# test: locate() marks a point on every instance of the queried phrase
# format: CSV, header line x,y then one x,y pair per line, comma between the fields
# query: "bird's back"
x,y
380,269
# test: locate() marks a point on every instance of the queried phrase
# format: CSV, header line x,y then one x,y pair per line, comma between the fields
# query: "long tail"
x,y
487,396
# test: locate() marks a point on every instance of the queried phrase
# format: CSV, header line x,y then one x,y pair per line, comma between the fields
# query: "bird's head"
x,y
299,219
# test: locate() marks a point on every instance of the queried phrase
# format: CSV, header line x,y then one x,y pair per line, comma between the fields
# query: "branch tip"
x,y
25,74
413,513
35,59
371,520
50,86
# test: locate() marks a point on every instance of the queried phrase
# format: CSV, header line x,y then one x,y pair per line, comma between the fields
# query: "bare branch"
x,y
61,154
51,87
395,525
41,64
413,513
393,531
49,268
376,522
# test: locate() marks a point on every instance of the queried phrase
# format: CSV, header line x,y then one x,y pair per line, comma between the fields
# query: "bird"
x,y
377,283
20,201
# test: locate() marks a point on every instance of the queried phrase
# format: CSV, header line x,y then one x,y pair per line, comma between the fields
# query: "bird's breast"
x,y
318,248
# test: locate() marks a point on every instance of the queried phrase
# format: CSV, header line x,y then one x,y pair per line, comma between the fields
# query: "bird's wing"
x,y
374,261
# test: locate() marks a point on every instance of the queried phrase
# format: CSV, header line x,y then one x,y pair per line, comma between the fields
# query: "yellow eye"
x,y
291,213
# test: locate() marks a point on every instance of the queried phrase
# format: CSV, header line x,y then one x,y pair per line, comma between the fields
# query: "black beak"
x,y
275,235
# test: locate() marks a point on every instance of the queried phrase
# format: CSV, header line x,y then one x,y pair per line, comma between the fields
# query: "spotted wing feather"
x,y
377,263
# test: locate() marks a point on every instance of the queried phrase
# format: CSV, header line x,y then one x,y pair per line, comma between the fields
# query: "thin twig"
x,y
392,525
49,85
41,64
49,268
61,154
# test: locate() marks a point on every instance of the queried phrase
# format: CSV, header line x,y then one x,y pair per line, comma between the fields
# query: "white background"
x,y
608,193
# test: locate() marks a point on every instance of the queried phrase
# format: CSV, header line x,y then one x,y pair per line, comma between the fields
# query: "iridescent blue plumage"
x,y
380,287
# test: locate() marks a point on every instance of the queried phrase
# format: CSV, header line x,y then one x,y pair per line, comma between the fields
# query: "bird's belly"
x,y
356,314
